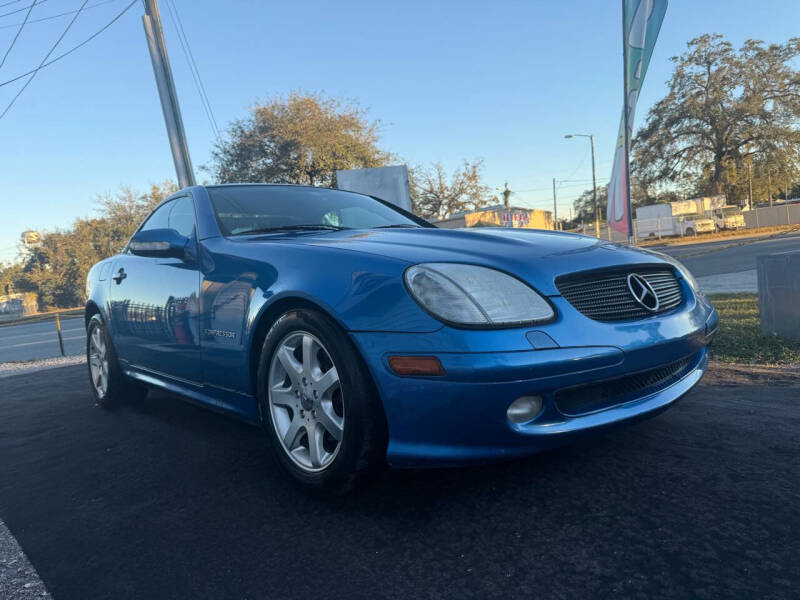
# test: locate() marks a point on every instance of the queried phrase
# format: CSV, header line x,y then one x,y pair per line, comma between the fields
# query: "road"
x,y
32,341
729,256
165,500
730,265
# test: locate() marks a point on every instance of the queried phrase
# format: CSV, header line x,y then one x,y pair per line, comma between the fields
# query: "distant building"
x,y
499,216
16,306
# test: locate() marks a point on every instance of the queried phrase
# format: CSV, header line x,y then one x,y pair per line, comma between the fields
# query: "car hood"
x,y
535,256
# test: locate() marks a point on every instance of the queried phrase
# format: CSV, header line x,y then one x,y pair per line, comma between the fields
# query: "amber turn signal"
x,y
416,365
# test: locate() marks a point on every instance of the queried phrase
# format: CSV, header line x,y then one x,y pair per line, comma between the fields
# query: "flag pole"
x,y
625,115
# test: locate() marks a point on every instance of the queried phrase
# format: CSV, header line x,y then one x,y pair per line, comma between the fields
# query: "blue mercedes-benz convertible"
x,y
358,334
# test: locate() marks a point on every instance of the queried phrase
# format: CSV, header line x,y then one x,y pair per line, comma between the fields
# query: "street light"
x,y
594,180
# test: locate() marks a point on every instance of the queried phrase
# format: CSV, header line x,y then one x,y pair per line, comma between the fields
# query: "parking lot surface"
x,y
166,500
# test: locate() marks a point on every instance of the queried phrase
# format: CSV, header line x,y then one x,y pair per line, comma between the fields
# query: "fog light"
x,y
524,408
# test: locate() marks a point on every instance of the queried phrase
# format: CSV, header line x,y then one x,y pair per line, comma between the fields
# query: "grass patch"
x,y
739,338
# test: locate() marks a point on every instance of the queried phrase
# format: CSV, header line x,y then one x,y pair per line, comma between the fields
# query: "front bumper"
x,y
461,417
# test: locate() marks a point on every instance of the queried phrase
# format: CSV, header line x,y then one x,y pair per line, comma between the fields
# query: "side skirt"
x,y
241,406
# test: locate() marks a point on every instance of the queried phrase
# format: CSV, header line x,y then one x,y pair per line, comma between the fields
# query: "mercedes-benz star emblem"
x,y
643,292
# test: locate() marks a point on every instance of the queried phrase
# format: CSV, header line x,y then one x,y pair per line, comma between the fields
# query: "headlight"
x,y
475,296
686,274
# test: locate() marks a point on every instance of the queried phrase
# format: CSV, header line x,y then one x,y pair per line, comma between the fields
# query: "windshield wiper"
x,y
398,226
311,227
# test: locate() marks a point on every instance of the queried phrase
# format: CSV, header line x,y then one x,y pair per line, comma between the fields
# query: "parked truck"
x,y
728,217
666,220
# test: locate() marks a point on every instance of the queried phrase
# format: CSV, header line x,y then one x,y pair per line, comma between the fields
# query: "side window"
x,y
181,218
159,219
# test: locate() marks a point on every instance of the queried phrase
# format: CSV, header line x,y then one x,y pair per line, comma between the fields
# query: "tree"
x,y
304,138
123,212
723,107
56,268
435,196
583,206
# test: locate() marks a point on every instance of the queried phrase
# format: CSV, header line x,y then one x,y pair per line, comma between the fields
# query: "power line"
x,y
52,49
9,3
187,53
13,12
559,181
196,70
14,41
580,164
74,48
58,15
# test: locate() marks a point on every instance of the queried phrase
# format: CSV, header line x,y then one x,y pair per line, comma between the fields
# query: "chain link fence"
x,y
773,216
778,215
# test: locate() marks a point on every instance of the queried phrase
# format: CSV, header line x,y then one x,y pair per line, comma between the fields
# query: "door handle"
x,y
119,276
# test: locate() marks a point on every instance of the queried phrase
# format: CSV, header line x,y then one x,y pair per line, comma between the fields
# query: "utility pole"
x,y
750,183
555,206
151,20
769,186
594,181
506,196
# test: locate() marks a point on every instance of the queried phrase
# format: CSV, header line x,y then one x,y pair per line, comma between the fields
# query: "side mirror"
x,y
164,243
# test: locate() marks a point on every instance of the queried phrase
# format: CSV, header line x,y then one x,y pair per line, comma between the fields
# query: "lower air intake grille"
x,y
588,398
605,296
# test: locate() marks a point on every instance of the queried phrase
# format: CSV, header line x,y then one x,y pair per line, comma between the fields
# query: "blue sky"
x,y
449,80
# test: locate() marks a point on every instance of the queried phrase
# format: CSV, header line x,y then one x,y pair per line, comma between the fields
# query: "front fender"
x,y
362,292
97,290
243,281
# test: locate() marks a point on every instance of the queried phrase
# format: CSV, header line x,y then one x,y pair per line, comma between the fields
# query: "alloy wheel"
x,y
98,362
305,400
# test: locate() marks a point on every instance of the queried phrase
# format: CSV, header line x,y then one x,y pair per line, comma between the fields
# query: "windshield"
x,y
243,209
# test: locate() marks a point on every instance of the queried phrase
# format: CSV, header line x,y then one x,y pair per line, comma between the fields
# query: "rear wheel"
x,y
109,385
320,408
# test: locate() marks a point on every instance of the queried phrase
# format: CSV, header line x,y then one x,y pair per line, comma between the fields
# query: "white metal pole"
x,y
151,21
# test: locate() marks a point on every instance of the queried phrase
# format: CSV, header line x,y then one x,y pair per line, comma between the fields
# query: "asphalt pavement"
x,y
166,500
730,265
33,341
729,256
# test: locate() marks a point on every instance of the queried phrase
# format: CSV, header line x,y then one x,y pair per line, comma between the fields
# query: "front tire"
x,y
319,406
109,385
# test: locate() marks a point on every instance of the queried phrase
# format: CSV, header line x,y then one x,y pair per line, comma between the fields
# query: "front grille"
x,y
595,396
605,296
